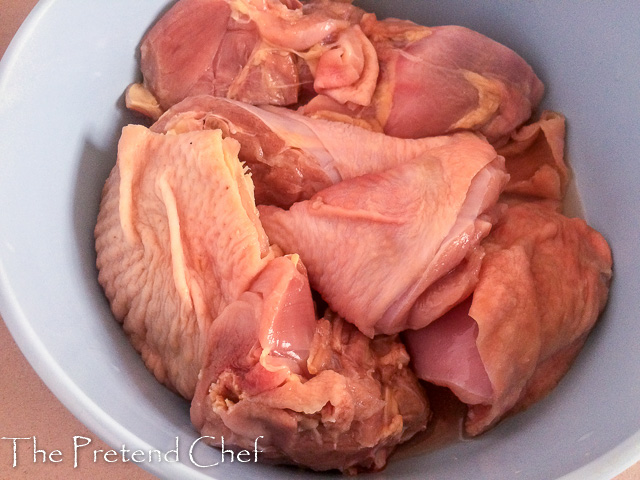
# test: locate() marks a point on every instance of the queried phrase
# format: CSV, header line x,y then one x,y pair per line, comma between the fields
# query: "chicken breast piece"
x,y
255,52
166,268
438,80
376,243
455,79
543,283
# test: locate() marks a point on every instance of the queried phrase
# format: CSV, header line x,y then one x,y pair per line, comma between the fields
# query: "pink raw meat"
x,y
256,51
455,79
166,268
198,47
445,353
346,405
292,157
439,80
543,283
374,244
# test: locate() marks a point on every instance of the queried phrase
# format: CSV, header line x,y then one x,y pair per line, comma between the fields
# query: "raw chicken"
x,y
166,268
455,78
198,47
439,80
292,157
220,316
391,75
355,401
251,50
543,283
381,192
376,243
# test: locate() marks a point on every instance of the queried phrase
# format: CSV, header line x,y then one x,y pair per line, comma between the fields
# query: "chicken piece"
x,y
200,47
438,80
376,243
252,51
543,283
292,157
455,79
355,401
166,268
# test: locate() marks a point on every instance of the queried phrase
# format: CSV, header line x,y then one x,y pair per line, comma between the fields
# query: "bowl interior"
x,y
61,111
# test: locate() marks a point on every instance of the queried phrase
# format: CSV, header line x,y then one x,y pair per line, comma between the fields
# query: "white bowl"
x,y
61,110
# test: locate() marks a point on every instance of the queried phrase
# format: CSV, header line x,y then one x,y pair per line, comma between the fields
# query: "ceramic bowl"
x,y
61,111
